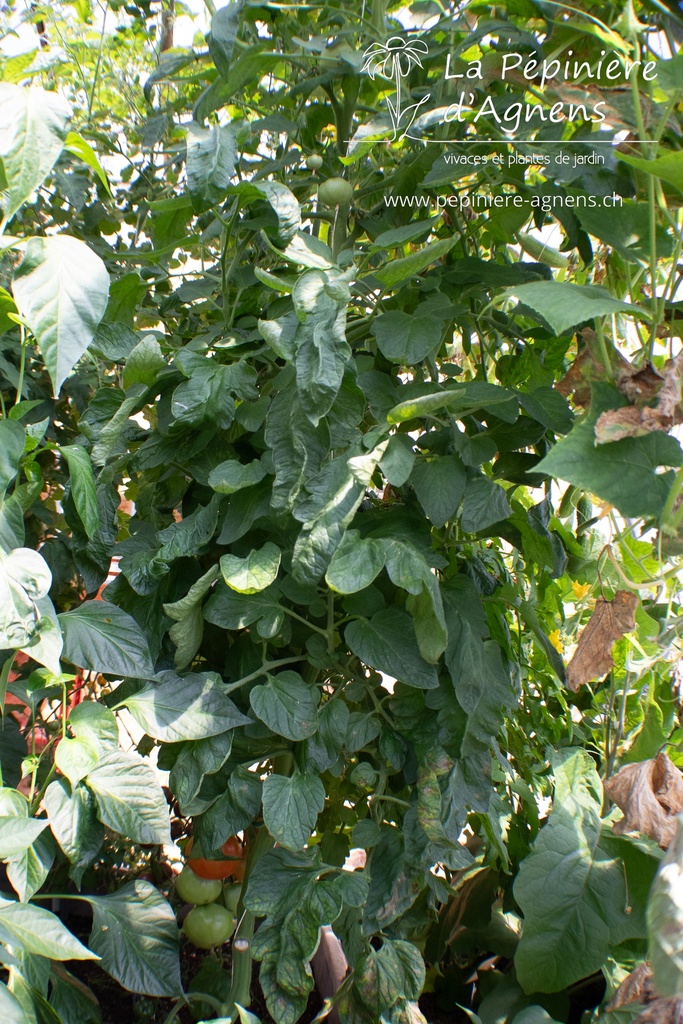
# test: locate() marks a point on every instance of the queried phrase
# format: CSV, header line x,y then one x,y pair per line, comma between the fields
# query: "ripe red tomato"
x,y
233,867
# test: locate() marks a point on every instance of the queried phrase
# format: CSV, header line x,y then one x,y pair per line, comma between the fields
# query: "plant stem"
x,y
211,7
266,667
602,346
22,365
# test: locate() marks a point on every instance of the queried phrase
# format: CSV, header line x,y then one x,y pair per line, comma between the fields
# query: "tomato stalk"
x,y
240,988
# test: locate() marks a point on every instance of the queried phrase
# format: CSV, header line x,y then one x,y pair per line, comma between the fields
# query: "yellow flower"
x,y
329,132
554,638
581,590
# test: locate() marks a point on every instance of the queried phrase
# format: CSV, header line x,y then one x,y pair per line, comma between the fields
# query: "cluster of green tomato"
x,y
333,191
211,921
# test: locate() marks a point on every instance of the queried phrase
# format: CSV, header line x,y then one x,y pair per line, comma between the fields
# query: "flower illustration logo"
x,y
394,61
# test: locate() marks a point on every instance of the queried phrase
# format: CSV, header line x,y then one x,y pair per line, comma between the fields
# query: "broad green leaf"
x,y
334,497
291,806
286,207
485,504
74,824
287,705
254,573
143,363
398,460
572,894
439,485
395,237
82,486
12,440
39,931
71,999
188,629
32,134
298,448
103,638
549,407
192,707
406,339
625,472
81,148
222,36
234,810
18,833
25,579
197,759
11,1009
309,251
28,871
386,975
461,400
321,350
563,305
76,757
95,722
135,933
211,159
397,271
355,563
667,166
232,476
388,643
129,798
61,290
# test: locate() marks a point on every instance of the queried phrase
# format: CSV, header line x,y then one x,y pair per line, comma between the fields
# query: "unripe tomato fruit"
x,y
209,926
314,161
334,191
231,896
193,889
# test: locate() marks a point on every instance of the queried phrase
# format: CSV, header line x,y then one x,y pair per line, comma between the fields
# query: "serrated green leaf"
x,y
291,806
135,933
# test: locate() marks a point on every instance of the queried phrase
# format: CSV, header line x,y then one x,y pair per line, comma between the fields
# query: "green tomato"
x,y
314,162
334,191
231,896
210,926
193,889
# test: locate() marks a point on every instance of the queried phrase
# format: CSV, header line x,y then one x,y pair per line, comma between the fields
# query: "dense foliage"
x,y
356,474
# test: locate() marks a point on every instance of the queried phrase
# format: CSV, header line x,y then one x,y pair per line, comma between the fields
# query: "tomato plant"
x,y
339,482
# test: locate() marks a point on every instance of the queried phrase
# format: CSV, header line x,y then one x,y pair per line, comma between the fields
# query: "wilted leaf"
x,y
662,1011
636,988
650,793
638,419
608,623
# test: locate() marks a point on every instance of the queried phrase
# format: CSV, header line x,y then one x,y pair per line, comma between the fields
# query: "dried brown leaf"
x,y
636,988
644,386
608,623
662,1011
650,793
